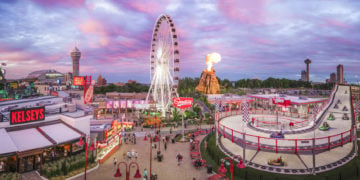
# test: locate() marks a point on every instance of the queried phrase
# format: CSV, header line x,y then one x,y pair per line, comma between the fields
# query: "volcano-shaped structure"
x,y
208,83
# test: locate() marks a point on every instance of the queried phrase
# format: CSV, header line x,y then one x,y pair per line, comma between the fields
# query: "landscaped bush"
x,y
10,176
65,166
213,155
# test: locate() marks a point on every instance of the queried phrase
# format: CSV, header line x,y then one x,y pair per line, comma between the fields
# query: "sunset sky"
x,y
257,39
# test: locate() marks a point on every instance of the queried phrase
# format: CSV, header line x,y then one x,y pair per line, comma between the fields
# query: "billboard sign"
x,y
102,105
27,115
182,103
14,85
78,81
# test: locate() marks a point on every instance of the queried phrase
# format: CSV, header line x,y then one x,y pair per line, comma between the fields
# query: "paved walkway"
x,y
31,176
166,170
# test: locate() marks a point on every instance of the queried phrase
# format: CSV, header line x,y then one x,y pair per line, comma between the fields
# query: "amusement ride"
x,y
164,64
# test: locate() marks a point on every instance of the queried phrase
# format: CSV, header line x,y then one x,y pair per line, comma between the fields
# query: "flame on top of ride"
x,y
212,59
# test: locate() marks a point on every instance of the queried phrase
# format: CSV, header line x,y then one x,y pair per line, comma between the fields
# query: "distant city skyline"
x,y
256,39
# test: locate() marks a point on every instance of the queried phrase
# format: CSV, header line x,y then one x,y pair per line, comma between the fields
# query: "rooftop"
x,y
293,99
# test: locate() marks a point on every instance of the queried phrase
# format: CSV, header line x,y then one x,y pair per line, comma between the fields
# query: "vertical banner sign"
x,y
245,111
123,104
129,104
182,103
88,90
116,105
109,104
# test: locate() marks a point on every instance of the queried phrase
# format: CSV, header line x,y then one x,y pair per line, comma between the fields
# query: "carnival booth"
x,y
108,137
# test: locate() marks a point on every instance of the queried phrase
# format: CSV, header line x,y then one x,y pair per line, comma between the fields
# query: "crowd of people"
x,y
130,138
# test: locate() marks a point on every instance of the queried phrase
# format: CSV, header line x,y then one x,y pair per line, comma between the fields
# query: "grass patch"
x,y
213,155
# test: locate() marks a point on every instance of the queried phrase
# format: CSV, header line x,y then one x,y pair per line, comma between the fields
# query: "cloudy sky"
x,y
257,39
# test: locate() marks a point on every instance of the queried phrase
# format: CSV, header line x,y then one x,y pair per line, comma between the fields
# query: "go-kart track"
x,y
299,145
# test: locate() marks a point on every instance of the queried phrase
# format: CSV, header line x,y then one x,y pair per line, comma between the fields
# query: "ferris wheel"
x,y
164,63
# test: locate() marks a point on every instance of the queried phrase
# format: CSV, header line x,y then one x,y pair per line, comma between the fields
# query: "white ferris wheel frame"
x,y
164,64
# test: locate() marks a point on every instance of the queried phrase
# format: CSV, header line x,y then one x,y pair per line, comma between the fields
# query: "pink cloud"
x,y
263,41
149,7
341,40
336,23
244,11
94,27
61,3
218,27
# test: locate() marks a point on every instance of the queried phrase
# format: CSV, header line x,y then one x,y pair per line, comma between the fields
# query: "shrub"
x,y
64,169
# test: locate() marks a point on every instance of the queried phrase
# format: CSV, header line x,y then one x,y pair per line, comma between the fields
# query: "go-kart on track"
x,y
332,148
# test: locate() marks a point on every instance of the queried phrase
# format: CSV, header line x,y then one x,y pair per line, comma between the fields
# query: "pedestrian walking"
x,y
145,174
205,145
165,146
124,155
179,158
115,162
136,156
129,155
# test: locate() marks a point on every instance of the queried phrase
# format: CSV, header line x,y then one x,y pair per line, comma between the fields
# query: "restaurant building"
x,y
38,130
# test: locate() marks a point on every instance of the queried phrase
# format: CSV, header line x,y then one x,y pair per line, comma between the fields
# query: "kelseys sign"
x,y
182,103
19,116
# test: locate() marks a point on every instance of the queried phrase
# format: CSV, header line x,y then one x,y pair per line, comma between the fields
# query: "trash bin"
x,y
209,169
173,141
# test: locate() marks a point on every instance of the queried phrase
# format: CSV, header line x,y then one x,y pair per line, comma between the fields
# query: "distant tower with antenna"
x,y
307,62
75,56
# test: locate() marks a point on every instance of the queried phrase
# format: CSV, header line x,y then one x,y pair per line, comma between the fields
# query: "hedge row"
x,y
64,166
10,176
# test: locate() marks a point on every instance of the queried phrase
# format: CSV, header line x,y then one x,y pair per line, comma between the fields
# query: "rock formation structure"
x,y
208,83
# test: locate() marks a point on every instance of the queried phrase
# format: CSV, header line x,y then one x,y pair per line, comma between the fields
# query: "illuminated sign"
x,y
182,103
14,85
89,92
78,81
20,116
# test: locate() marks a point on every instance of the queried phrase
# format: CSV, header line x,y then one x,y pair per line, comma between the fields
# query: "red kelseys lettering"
x,y
19,116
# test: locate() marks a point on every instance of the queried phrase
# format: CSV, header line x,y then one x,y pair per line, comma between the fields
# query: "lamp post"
x,y
128,167
91,148
240,165
150,154
145,139
159,139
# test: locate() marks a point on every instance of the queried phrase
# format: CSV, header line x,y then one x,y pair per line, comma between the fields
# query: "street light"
x,y
128,168
240,165
91,148
150,154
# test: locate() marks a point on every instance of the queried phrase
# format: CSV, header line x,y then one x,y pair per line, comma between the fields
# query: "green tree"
x,y
176,115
